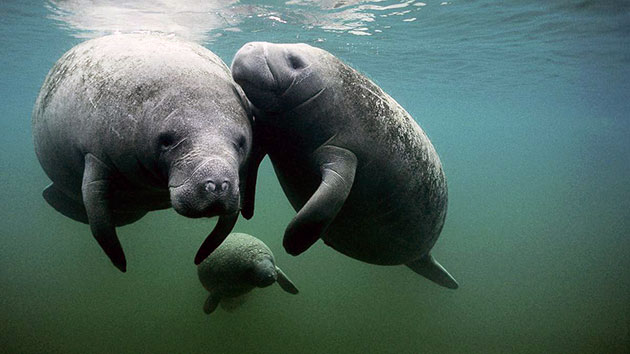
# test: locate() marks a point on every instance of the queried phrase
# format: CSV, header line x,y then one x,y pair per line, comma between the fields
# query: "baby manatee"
x,y
130,123
360,172
241,263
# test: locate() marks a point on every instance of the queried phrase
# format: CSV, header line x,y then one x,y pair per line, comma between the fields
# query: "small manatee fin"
x,y
211,303
429,268
285,283
220,232
64,204
96,190
249,188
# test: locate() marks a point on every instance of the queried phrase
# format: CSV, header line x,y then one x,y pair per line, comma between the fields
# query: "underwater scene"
x,y
526,103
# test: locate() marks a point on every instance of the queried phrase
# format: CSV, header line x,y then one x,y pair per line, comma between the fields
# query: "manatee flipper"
x,y
76,211
429,268
64,204
221,230
211,303
96,191
256,156
337,166
285,283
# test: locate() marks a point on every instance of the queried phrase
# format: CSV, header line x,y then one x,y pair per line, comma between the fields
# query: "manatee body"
x,y
126,124
356,167
241,263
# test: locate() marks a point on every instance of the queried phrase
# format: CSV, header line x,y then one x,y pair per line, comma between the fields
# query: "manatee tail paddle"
x,y
429,268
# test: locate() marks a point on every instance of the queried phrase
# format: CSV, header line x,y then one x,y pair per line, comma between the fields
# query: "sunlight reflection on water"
x,y
195,20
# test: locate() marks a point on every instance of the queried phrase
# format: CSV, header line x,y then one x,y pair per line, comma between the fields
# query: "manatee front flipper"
x,y
64,204
76,211
337,166
211,303
223,227
96,191
255,158
285,283
429,268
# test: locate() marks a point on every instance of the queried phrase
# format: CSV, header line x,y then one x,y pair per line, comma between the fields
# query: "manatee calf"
x,y
356,167
241,263
125,124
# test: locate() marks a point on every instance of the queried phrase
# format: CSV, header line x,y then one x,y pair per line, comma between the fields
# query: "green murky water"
x,y
527,104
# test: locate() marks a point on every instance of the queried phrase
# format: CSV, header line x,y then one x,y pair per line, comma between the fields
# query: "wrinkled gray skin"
x,y
241,263
354,164
126,124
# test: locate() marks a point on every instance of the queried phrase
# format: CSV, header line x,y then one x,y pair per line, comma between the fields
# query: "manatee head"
x,y
280,77
201,143
264,273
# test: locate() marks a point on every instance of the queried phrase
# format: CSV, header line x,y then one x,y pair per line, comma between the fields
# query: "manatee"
x,y
240,264
360,172
130,123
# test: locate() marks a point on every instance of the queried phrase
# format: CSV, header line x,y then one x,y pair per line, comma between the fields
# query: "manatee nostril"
x,y
166,140
213,187
210,186
295,61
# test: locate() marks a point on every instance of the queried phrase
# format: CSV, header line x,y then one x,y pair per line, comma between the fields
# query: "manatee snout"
x,y
269,73
250,66
212,189
265,273
251,70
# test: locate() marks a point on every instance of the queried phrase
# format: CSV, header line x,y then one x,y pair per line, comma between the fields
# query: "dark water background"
x,y
527,103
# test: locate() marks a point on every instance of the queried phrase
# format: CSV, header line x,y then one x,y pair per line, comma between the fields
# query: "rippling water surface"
x,y
527,103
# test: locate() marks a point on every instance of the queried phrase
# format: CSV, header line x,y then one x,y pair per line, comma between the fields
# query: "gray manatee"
x,y
241,263
126,124
359,171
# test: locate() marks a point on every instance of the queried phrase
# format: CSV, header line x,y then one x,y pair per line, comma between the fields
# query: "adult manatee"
x,y
125,124
356,167
240,264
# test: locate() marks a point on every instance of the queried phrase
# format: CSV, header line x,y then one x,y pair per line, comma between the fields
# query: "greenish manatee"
x,y
360,172
240,264
130,123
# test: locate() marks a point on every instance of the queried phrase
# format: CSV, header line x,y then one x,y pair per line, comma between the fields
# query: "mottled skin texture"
x,y
355,165
240,264
126,124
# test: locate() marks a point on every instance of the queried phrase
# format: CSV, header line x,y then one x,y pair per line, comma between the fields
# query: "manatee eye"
x,y
241,141
166,141
296,62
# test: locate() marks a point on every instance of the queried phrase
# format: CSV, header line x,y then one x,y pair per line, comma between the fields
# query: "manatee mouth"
x,y
212,209
275,82
278,101
266,81
308,100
